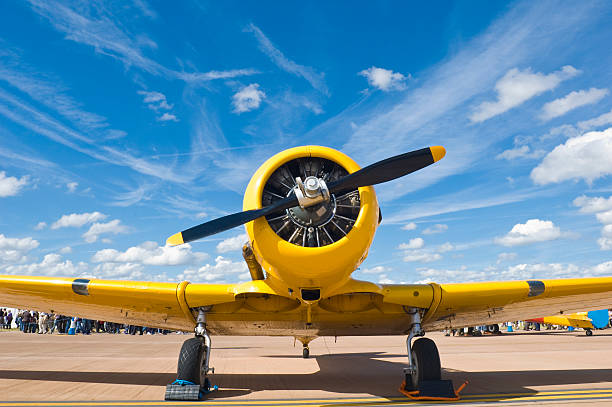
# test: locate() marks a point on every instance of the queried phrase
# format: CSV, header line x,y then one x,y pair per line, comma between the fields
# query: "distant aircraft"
x,y
311,214
586,320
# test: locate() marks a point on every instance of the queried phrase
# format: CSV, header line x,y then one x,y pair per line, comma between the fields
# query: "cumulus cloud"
x,y
503,257
167,117
593,204
571,101
599,121
223,270
232,243
437,228
247,98
76,220
422,256
534,230
150,253
519,152
66,250
376,270
415,243
384,79
14,250
157,102
585,157
10,186
445,247
517,86
384,279
409,226
602,208
52,265
40,225
72,186
113,227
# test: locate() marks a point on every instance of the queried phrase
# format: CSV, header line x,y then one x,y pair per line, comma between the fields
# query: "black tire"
x,y
589,332
305,353
190,362
426,359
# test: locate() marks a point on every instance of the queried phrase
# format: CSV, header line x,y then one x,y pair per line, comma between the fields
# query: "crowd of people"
x,y
43,323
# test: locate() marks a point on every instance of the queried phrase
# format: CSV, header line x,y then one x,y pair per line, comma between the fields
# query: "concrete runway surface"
x,y
552,367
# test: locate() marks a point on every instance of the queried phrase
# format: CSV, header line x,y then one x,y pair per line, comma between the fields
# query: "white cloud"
x,y
384,79
534,230
155,100
167,117
602,208
248,98
415,243
517,86
384,279
232,243
66,250
593,205
422,256
585,157
24,244
559,107
52,265
123,271
223,270
277,57
40,225
10,186
376,270
76,220
14,250
149,253
437,228
605,217
503,257
519,152
409,226
602,120
97,229
445,247
72,186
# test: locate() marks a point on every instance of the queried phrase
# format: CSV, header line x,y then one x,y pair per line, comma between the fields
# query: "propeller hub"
x,y
313,216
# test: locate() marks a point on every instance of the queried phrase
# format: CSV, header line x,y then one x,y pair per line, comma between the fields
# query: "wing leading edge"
x,y
472,304
161,305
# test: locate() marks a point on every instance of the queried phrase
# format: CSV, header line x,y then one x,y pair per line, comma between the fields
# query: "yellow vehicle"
x,y
311,214
586,320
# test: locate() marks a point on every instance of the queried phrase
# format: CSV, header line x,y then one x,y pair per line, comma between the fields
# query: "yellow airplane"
x,y
310,214
586,320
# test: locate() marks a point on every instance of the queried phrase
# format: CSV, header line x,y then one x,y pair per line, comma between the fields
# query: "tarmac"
x,y
553,367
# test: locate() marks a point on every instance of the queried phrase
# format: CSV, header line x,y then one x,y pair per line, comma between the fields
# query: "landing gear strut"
x,y
423,356
192,371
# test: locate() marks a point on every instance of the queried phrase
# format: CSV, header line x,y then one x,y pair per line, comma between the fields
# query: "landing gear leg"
x,y
423,356
192,370
305,342
195,355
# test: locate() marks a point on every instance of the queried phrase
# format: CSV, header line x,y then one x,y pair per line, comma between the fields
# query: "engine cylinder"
x,y
317,246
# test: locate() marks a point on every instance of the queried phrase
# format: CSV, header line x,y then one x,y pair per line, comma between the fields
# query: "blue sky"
x,y
124,122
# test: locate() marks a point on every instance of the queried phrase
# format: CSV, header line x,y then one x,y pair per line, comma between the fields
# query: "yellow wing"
x,y
471,304
162,305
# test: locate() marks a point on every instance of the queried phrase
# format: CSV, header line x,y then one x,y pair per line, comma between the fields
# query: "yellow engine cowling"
x,y
290,267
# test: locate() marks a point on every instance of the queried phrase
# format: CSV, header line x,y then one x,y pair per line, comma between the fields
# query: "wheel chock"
x,y
437,390
184,390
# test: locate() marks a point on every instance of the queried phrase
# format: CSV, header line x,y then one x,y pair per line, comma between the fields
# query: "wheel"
x,y
589,332
305,353
426,360
191,360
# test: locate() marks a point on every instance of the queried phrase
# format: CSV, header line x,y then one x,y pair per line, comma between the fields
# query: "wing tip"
x,y
437,152
175,240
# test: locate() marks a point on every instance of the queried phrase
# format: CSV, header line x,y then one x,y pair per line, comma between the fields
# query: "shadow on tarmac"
x,y
339,373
